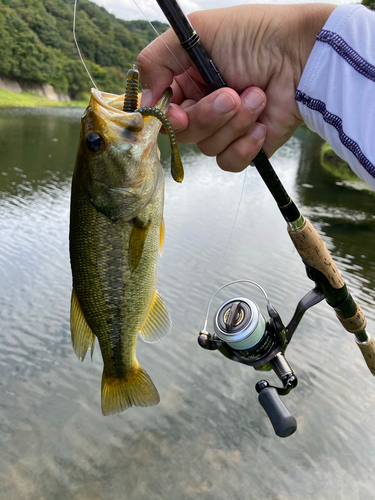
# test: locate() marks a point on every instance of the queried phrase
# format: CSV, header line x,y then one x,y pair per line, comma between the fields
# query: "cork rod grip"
x,y
314,253
355,324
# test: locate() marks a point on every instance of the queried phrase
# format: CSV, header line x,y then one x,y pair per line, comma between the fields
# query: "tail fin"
x,y
136,389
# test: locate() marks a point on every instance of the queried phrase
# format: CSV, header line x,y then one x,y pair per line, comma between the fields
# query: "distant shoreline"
x,y
28,99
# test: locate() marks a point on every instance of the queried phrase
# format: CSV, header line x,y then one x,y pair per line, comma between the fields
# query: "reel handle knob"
x,y
281,419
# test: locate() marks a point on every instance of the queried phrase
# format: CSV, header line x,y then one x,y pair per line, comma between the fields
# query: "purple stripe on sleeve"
x,y
345,51
336,122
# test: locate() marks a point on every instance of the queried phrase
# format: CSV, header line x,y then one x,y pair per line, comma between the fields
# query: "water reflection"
x,y
345,214
208,438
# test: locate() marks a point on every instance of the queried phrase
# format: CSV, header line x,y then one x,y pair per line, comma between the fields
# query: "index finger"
x,y
160,62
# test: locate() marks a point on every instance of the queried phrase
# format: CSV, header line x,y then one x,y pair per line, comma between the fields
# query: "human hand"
x,y
260,51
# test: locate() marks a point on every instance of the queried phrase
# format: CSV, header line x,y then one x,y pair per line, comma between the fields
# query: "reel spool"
x,y
242,334
239,323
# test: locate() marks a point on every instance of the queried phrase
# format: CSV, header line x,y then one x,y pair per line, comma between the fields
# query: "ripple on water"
x,y
208,437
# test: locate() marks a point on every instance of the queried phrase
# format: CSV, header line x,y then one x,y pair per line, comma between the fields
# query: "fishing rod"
x,y
240,332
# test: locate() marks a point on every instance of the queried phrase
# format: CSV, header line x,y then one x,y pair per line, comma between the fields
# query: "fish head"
x,y
118,159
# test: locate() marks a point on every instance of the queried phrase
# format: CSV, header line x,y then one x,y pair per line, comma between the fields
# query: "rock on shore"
x,y
44,89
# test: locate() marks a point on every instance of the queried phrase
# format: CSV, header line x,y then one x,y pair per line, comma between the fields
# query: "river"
x,y
208,438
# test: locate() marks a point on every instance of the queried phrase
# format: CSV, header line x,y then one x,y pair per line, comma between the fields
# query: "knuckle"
x,y
239,126
201,120
238,155
229,164
194,18
207,149
242,122
143,60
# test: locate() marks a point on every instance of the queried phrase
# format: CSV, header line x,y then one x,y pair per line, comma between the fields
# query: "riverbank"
x,y
29,99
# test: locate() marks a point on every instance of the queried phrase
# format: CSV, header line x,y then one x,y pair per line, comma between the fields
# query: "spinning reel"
x,y
242,334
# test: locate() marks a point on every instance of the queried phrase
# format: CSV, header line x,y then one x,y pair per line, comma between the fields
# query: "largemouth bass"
x,y
116,231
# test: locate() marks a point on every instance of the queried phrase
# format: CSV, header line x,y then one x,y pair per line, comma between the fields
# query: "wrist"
x,y
309,21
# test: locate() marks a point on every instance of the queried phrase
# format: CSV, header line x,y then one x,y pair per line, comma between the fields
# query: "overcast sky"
x,y
127,9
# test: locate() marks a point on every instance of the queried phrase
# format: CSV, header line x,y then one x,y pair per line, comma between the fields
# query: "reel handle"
x,y
281,419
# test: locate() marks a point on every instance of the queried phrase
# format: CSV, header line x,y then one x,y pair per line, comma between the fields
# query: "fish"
x,y
116,232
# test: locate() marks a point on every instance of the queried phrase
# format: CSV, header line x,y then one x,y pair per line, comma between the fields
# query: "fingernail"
x,y
147,97
224,103
254,99
258,131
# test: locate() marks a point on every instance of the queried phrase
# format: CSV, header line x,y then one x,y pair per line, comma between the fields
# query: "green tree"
x,y
369,3
36,44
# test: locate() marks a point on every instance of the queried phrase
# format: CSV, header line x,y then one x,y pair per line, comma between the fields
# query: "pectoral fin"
x,y
137,242
82,336
158,322
161,237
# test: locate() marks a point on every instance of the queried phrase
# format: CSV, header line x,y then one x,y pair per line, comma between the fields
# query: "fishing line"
x,y
225,252
234,222
152,26
75,40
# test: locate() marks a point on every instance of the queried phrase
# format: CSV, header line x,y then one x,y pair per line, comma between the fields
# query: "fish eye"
x,y
95,142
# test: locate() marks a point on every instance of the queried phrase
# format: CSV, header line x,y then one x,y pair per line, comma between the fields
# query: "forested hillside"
x,y
36,44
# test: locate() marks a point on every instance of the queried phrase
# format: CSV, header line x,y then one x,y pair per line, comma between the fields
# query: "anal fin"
x,y
136,389
158,322
83,337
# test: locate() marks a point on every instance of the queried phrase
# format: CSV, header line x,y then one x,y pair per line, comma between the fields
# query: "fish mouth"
x,y
110,106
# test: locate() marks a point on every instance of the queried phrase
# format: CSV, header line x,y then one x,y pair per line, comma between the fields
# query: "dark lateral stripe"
x,y
336,122
346,52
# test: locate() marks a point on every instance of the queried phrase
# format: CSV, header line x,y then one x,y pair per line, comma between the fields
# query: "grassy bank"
x,y
28,100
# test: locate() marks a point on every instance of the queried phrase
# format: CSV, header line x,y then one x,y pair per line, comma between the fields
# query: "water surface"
x,y
208,438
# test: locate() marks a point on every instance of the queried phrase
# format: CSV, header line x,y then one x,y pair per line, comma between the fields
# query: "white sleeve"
x,y
336,94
